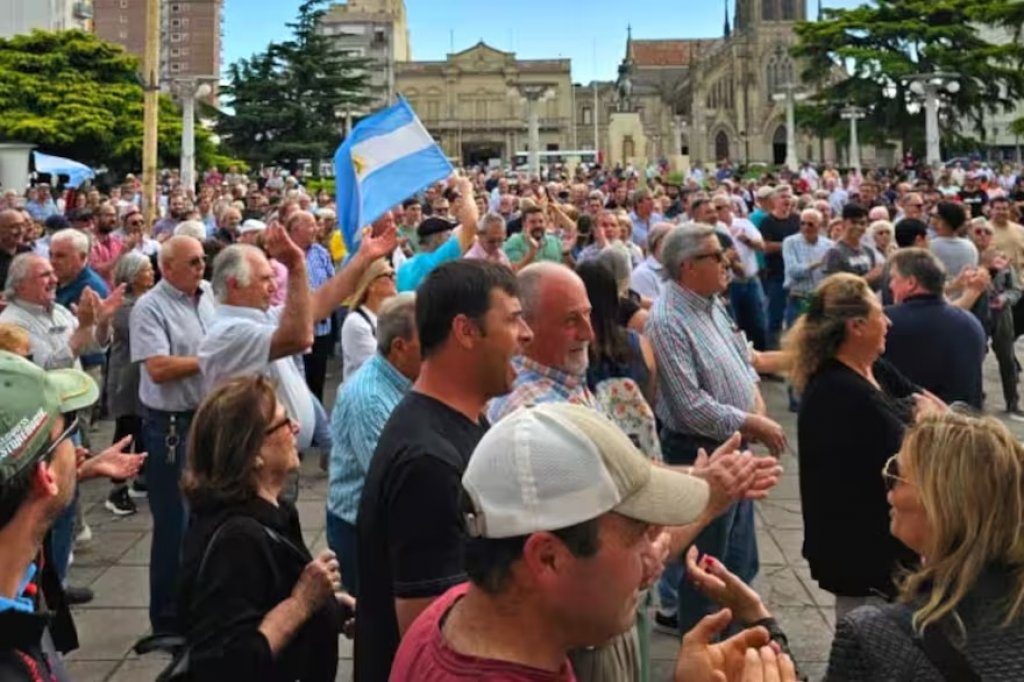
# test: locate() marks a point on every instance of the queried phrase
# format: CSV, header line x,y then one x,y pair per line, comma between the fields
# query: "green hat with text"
x,y
31,400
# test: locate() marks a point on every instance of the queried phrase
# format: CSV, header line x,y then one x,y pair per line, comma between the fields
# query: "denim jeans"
x,y
747,301
730,538
794,309
170,515
776,309
62,533
343,540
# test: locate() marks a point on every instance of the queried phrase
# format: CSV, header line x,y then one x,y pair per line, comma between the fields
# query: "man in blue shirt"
x,y
938,346
361,410
437,244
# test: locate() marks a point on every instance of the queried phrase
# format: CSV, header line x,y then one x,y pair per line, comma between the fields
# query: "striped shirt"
x,y
706,385
319,269
536,384
798,255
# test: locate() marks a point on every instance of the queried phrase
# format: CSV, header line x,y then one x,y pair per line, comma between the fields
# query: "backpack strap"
x,y
362,313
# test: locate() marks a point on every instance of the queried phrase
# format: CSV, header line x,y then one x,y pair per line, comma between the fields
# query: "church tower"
x,y
751,12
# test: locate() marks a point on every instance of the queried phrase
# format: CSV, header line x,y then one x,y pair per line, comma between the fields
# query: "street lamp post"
x,y
190,89
853,114
790,96
534,93
928,86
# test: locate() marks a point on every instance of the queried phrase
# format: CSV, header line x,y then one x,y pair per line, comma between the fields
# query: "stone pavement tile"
x,y
663,670
779,586
319,543
84,576
138,553
108,634
791,543
768,551
783,514
90,671
810,636
312,514
664,647
788,487
106,547
121,587
826,600
139,670
344,648
102,520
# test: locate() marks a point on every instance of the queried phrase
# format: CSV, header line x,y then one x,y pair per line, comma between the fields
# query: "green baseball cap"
x,y
31,400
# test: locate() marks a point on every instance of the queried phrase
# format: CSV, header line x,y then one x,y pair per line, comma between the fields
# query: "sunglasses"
x,y
891,473
808,222
72,427
716,255
980,232
279,424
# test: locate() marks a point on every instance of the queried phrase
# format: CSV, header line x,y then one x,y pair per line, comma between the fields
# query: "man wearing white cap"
x,y
561,512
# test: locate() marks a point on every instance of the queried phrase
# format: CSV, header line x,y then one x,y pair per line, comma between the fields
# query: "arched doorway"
x,y
721,146
779,146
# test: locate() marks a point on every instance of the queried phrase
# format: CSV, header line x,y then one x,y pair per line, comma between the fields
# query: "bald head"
x,y
303,229
556,307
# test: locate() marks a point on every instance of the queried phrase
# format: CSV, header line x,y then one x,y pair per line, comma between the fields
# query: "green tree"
x,y
863,56
287,101
74,95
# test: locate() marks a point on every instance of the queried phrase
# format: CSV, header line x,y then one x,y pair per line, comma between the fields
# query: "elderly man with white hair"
x,y
707,392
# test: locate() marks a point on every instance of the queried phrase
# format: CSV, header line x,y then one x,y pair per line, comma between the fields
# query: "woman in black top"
x,y
853,411
252,602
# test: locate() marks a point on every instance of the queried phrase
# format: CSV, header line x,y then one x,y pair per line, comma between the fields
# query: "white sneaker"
x,y
85,534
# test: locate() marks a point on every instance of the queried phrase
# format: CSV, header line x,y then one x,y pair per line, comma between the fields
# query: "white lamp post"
x,y
534,93
191,89
928,86
853,114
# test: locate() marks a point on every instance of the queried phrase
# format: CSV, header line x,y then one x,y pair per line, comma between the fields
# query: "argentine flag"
x,y
387,158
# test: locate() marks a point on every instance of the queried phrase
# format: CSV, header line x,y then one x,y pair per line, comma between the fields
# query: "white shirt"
x,y
748,257
49,333
238,343
358,340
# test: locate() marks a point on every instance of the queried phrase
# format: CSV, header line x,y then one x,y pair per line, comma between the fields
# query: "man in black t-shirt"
x,y
780,223
410,524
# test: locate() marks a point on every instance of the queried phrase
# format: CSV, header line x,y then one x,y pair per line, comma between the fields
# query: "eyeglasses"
x,y
281,423
72,427
980,232
891,473
716,255
809,223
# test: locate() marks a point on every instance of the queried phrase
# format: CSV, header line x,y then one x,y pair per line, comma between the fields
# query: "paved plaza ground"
x,y
114,564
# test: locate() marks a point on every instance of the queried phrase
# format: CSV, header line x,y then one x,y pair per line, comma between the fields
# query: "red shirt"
x,y
424,655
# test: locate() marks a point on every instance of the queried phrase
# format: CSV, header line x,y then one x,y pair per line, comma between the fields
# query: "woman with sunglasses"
x,y
253,603
955,491
854,408
359,330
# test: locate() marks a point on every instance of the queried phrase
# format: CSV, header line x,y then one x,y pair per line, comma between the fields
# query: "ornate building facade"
x,y
473,102
701,101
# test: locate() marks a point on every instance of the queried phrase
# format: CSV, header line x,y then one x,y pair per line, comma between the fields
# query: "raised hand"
x,y
280,246
85,311
319,580
382,245
105,308
699,659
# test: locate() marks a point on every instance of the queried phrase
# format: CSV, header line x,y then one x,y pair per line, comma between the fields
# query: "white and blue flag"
x,y
387,158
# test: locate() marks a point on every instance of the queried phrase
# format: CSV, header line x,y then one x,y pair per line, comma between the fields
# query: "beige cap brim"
x,y
669,498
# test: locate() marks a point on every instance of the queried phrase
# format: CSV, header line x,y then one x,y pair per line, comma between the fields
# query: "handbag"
x,y
180,669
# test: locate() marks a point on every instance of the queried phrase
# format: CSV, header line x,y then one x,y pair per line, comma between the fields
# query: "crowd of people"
x,y
550,431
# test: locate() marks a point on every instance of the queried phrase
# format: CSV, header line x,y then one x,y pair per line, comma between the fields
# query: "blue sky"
x,y
590,32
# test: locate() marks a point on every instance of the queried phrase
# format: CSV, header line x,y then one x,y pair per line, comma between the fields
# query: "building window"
x,y
587,116
481,110
175,37
175,67
184,22
175,23
175,52
124,18
124,4
122,35
175,8
433,109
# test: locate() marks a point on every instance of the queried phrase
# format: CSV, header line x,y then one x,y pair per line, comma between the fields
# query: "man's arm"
x,y
338,288
795,269
166,368
294,332
468,215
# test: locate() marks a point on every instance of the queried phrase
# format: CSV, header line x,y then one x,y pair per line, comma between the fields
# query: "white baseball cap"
x,y
556,465
252,225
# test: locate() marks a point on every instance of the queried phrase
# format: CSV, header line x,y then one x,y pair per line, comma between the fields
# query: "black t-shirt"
x,y
775,230
976,199
410,524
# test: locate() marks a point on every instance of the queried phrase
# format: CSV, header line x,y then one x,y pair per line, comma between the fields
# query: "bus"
x,y
556,157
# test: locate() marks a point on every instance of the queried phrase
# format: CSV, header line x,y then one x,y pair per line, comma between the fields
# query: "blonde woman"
x,y
881,235
956,495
